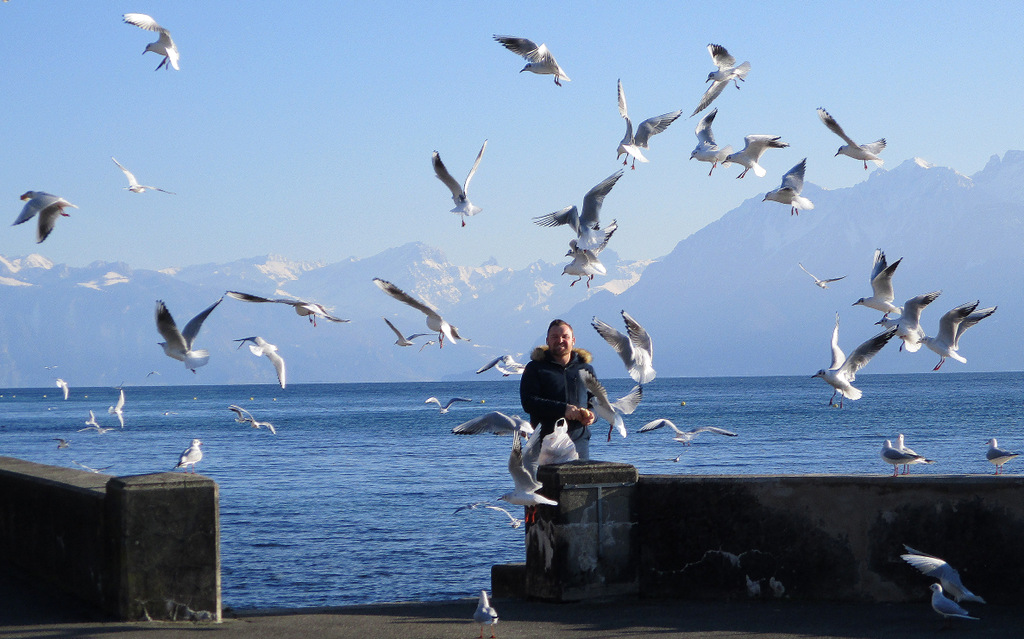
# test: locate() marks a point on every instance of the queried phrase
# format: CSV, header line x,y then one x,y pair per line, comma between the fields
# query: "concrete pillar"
x,y
586,546
164,531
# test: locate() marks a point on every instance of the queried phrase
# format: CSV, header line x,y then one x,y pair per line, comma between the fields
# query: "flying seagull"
x,y
261,347
496,423
908,324
863,152
61,442
727,71
61,384
92,424
434,321
245,417
163,46
936,568
505,364
118,408
526,485
685,437
753,148
841,374
402,339
311,310
588,225
443,408
707,150
460,193
820,283
635,348
133,184
514,522
49,207
191,456
179,343
632,143
585,262
539,58
789,192
881,285
608,410
951,327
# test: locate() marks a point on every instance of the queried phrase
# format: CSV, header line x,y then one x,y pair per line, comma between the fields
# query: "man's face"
x,y
560,340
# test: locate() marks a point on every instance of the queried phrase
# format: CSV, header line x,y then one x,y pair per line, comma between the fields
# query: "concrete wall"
x,y
135,547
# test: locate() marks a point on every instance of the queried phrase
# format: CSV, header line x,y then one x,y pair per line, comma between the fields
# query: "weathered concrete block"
x,y
586,546
165,546
508,581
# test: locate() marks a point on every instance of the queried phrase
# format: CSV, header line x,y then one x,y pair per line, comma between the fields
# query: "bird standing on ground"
x,y
538,57
997,455
133,184
163,46
863,152
896,457
460,193
946,607
727,71
841,374
707,150
587,226
179,343
485,614
191,456
789,192
49,207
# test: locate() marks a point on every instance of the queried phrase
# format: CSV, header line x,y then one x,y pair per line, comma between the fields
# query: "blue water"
x,y
352,501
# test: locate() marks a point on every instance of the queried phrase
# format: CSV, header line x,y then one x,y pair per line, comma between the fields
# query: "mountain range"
x,y
728,300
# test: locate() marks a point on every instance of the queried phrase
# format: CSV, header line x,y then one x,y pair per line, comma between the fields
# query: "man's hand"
x,y
581,415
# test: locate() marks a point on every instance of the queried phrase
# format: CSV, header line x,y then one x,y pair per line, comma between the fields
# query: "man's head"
x,y
560,341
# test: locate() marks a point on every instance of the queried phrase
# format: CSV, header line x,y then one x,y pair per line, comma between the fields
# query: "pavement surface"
x,y
28,612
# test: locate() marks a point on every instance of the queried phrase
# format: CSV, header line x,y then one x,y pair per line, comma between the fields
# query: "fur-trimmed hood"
x,y
539,354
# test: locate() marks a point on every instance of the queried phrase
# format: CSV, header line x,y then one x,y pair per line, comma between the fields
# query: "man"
x,y
551,387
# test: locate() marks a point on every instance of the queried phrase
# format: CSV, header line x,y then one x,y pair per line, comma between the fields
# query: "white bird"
x,y
460,193
951,327
245,417
49,207
946,606
61,384
608,410
133,184
402,339
427,343
504,364
310,310
901,446
163,46
684,437
539,58
179,343
789,192
118,408
632,143
727,71
588,225
997,455
936,568
61,442
557,447
881,285
707,150
90,468
896,457
92,424
514,522
191,456
753,587
585,262
863,152
434,320
261,347
443,408
635,348
526,485
908,324
496,423
485,614
843,371
753,148
823,284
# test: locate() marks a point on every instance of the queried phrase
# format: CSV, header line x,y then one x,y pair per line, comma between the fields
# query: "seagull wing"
x,y
193,326
838,357
756,145
950,321
862,354
794,178
243,415
143,21
569,215
395,330
520,46
47,219
703,130
623,111
456,399
628,403
404,297
278,363
970,321
834,127
809,273
520,476
128,174
716,430
658,423
594,198
881,284
720,57
619,342
652,126
912,308
709,96
472,171
489,365
442,174
496,423
638,336
168,329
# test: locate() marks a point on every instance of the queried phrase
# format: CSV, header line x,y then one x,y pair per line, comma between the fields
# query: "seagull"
x,y
587,226
485,614
707,150
585,262
427,343
753,148
906,450
90,468
61,384
608,410
908,324
163,46
951,326
118,408
179,344
403,340
460,194
823,284
635,347
191,456
496,423
881,286
539,58
843,371
61,442
684,437
505,364
243,416
92,424
789,192
312,310
261,347
49,207
947,607
996,455
434,321
514,522
863,152
133,184
526,485
727,70
896,457
443,408
936,568
631,144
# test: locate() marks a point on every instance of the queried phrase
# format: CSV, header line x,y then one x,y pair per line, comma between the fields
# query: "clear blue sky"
x,y
306,128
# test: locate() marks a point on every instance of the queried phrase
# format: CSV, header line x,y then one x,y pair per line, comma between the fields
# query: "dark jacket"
x,y
547,388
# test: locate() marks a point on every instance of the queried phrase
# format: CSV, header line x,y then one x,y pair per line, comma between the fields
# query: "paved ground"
x,y
26,612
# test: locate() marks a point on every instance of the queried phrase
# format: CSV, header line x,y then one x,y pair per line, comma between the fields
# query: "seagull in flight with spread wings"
x,y
881,286
823,284
841,374
133,184
538,57
312,310
49,207
163,46
635,347
727,71
632,143
685,437
588,225
402,339
179,343
789,192
460,193
434,320
261,347
863,152
707,150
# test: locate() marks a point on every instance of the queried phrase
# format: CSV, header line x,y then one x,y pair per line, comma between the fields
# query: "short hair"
x,y
560,322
